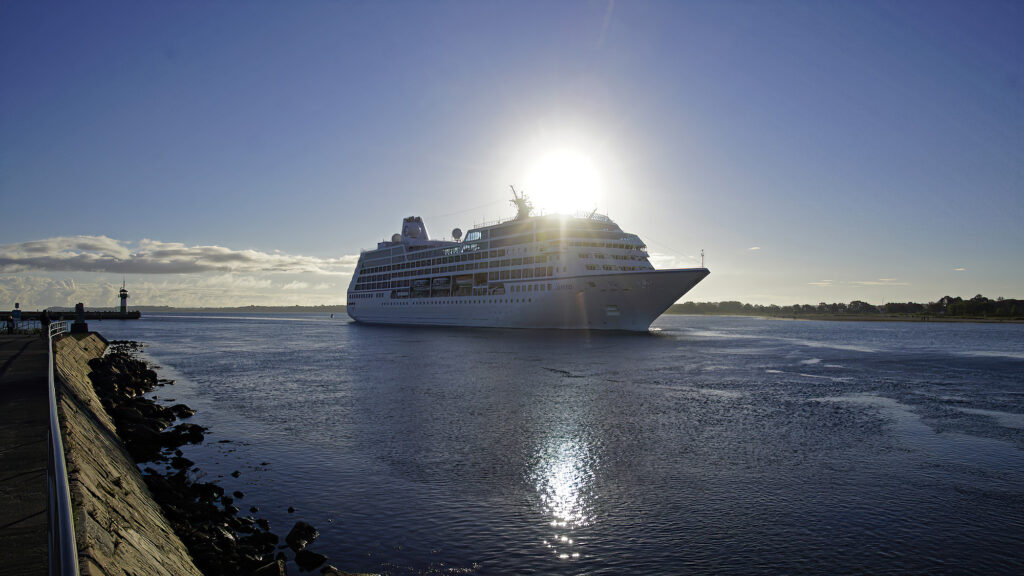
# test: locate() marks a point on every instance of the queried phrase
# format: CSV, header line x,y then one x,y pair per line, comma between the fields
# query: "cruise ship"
x,y
552,271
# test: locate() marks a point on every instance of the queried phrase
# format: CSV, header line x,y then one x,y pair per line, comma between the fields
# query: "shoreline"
x,y
114,383
866,318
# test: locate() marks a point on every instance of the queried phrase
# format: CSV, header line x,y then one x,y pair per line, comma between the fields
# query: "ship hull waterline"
x,y
628,301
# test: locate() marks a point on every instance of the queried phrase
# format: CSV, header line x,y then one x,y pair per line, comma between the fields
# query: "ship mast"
x,y
522,204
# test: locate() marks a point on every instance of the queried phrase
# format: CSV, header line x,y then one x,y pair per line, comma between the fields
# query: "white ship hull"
x,y
617,301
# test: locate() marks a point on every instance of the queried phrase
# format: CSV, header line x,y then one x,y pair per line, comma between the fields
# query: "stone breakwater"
x,y
151,522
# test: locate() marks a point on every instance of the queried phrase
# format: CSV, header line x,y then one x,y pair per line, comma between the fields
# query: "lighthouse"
x,y
124,299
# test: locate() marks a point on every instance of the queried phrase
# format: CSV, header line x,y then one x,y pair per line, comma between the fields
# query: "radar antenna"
x,y
522,204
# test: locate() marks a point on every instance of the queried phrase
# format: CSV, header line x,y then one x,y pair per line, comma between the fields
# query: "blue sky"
x,y
243,153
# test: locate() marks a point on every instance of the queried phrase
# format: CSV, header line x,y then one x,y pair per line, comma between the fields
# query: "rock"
x,y
147,407
127,414
309,561
158,424
182,411
207,491
238,494
290,509
329,570
224,537
183,434
244,524
142,442
264,542
236,474
301,535
180,462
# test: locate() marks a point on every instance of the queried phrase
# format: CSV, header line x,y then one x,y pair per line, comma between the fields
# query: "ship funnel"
x,y
414,229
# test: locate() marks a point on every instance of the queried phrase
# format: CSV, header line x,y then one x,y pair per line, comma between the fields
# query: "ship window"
x,y
549,286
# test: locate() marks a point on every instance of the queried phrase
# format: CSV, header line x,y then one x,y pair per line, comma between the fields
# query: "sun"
x,y
563,181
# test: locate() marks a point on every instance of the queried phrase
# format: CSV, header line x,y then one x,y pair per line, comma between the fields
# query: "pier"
x,y
70,314
118,527
72,498
24,422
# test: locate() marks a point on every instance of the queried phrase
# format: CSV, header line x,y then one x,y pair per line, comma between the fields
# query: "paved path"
x,y
24,421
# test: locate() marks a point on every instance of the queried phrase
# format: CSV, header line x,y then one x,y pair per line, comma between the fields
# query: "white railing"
x,y
63,550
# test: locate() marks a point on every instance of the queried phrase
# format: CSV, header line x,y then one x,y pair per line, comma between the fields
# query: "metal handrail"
x,y
63,550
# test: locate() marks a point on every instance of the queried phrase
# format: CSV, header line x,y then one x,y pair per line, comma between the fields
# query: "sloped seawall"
x,y
119,527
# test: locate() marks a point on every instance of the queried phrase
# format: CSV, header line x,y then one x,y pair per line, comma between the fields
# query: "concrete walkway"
x,y
24,421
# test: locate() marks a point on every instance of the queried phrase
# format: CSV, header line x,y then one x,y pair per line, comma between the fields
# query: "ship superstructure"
x,y
528,272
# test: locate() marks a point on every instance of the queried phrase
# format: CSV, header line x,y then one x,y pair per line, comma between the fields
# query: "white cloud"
x,y
754,248
959,269
65,270
880,282
859,283
184,290
103,254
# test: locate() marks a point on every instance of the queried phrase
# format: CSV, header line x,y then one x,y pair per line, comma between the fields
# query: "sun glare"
x,y
563,181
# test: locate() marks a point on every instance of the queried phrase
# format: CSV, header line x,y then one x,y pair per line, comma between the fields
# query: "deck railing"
x,y
63,550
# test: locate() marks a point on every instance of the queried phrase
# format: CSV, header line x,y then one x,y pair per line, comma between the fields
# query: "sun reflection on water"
x,y
564,477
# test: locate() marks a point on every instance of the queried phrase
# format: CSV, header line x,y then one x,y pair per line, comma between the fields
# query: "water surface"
x,y
726,445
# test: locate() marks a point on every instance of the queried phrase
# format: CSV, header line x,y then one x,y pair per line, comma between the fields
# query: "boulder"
x,y
308,560
183,434
180,462
301,535
182,411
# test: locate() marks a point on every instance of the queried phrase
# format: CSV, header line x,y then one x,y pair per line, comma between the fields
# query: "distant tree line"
x,y
955,306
